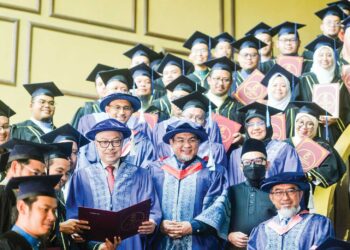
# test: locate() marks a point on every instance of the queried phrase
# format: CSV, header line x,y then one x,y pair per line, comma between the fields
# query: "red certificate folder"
x,y
107,224
311,154
293,64
346,76
251,89
227,129
327,97
151,119
278,123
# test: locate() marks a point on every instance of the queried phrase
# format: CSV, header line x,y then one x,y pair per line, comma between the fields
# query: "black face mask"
x,y
254,173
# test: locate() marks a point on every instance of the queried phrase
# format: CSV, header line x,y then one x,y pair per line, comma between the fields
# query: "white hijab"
x,y
278,104
323,75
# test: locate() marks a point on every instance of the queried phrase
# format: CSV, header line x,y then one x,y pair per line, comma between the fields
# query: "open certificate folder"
x,y
107,224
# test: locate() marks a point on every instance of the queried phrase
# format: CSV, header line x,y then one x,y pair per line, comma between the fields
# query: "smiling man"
x,y
5,113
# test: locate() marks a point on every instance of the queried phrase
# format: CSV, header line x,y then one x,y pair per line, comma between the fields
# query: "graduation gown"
x,y
229,109
266,66
200,77
303,92
8,210
184,197
303,231
88,108
281,155
161,107
28,131
12,240
89,188
332,168
159,88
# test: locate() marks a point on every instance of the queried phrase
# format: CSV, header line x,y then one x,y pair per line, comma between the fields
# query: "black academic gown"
x,y
162,107
28,131
194,76
249,207
14,241
229,109
158,89
8,211
88,108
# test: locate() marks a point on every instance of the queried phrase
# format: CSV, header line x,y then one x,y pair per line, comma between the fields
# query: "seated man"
x,y
291,228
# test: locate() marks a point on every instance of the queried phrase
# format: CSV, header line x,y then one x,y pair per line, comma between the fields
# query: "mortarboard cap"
x,y
199,37
185,66
108,125
122,75
6,110
185,84
323,41
60,150
155,63
134,101
180,126
258,29
44,88
225,37
332,10
143,70
257,109
194,100
64,133
222,63
30,186
248,42
346,22
334,244
286,28
277,69
295,178
343,4
142,50
310,108
95,72
253,145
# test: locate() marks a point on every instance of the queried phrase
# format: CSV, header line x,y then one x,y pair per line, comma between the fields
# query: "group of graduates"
x,y
154,133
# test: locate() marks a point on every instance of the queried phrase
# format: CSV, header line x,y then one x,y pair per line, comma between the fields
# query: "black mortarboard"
x,y
248,42
95,72
286,28
225,37
186,84
6,110
142,50
310,108
122,75
60,150
44,88
21,150
184,65
332,10
323,41
277,69
199,37
4,157
295,178
343,4
63,133
155,63
194,100
143,70
334,244
258,29
257,109
346,22
30,186
253,145
222,63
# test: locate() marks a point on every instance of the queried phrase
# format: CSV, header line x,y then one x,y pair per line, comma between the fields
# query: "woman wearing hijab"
x,y
324,70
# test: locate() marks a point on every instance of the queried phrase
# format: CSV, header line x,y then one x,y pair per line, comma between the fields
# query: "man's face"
x,y
331,26
38,219
34,167
285,200
196,115
288,44
115,86
223,49
199,53
266,38
60,166
219,82
100,87
109,146
248,58
136,60
4,129
185,146
143,85
170,73
42,107
256,128
121,110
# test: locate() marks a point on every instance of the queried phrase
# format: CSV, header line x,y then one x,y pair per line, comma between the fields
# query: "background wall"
x,y
62,40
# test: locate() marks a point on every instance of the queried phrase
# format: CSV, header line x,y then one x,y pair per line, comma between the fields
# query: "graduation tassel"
x,y
183,67
209,48
335,55
235,79
132,145
268,123
327,132
142,115
211,163
310,202
293,88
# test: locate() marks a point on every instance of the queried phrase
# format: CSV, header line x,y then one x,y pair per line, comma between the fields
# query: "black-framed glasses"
x,y
288,192
114,143
258,160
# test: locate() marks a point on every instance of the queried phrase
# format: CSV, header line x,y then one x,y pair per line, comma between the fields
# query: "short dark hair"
x,y
30,200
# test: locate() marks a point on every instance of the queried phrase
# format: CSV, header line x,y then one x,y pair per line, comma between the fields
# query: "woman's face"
x,y
279,88
324,57
305,127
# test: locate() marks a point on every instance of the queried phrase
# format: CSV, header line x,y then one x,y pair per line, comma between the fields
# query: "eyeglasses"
x,y
114,143
330,23
34,171
181,141
223,80
305,124
247,55
200,51
258,160
198,119
288,192
286,40
4,127
119,108
255,124
42,102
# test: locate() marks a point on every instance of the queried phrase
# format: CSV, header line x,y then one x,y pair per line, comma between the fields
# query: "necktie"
x,y
110,178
